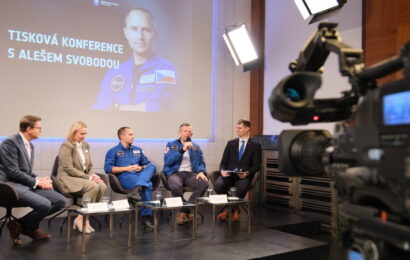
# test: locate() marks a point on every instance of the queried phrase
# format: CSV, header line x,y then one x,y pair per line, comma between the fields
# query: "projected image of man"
x,y
146,82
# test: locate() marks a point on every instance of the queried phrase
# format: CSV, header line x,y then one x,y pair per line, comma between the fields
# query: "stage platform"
x,y
266,241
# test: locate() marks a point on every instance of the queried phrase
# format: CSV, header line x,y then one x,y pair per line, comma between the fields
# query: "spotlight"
x,y
240,46
318,10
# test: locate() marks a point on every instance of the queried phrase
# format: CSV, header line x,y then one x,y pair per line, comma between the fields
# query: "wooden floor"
x,y
264,242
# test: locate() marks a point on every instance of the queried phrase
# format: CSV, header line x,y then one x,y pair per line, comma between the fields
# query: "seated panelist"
x,y
16,168
241,155
133,169
75,170
185,166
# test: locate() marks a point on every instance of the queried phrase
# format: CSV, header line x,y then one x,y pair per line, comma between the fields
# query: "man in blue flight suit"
x,y
184,165
133,169
146,82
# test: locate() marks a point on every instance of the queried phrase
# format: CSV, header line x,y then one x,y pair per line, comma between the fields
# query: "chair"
x,y
9,199
255,178
117,187
74,195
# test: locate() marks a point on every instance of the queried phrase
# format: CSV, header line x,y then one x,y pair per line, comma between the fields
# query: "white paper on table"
x,y
215,199
120,204
173,202
96,207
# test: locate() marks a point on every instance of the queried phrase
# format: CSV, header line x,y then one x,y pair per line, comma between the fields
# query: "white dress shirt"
x,y
81,153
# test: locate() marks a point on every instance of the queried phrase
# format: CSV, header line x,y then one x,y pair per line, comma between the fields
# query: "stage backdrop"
x,y
68,60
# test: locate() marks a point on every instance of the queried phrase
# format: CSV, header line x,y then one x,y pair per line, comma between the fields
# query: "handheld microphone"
x,y
189,140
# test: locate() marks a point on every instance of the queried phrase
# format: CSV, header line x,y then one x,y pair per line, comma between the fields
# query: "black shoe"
x,y
135,194
146,222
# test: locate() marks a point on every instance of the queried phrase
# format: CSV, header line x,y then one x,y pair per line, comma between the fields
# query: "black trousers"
x,y
222,185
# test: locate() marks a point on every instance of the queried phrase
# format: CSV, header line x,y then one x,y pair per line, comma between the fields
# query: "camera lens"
x,y
294,94
307,152
302,152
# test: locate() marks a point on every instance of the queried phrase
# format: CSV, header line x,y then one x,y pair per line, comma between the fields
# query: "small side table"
x,y
157,207
110,212
206,201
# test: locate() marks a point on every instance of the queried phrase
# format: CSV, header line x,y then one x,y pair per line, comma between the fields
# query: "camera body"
x,y
368,156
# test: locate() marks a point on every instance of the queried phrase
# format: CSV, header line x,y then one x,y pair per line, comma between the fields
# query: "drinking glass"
x,y
86,201
105,200
209,191
232,192
159,199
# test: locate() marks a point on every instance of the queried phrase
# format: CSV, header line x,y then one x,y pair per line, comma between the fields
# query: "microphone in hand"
x,y
188,139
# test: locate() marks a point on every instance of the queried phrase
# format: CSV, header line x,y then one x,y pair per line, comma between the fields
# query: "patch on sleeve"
x,y
174,147
165,76
120,153
166,149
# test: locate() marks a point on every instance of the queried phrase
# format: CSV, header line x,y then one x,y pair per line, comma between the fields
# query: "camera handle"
x,y
351,63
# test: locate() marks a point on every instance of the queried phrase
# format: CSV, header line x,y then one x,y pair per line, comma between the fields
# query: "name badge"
x,y
216,199
120,204
97,207
173,202
145,79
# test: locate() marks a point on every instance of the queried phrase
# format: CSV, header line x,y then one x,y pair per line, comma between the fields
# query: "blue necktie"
x,y
241,150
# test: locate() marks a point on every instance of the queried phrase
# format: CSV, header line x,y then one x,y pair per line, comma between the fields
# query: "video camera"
x,y
368,155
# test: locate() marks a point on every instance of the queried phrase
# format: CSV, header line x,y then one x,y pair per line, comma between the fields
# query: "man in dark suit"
x,y
243,156
16,166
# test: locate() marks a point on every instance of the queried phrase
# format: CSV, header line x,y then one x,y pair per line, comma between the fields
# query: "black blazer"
x,y
15,164
250,161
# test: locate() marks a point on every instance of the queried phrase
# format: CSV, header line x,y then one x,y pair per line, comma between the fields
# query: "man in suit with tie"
x,y
16,166
243,156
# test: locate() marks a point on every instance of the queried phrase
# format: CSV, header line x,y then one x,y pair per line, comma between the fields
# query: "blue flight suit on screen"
x,y
147,87
173,157
119,156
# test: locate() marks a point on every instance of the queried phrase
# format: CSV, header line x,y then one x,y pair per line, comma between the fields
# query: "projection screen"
x,y
143,64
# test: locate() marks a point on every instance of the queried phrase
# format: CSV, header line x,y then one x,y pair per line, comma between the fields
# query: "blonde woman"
x,y
75,170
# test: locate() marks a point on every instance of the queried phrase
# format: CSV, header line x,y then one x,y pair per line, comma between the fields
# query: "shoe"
x,y
182,218
135,194
36,234
223,216
15,229
78,226
191,217
146,222
235,215
89,228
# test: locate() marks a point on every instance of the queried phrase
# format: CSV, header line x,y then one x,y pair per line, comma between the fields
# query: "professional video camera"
x,y
369,153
